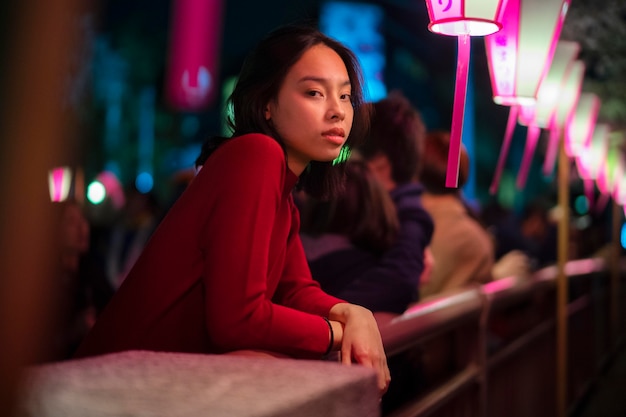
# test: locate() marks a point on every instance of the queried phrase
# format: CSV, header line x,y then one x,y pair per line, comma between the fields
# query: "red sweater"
x,y
225,269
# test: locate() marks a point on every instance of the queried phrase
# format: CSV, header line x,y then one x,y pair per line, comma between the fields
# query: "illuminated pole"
x,y
615,271
464,19
562,284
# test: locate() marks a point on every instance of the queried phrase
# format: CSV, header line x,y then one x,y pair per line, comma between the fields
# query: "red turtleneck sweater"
x,y
225,269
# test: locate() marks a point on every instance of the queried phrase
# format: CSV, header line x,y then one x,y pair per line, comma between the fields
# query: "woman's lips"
x,y
335,135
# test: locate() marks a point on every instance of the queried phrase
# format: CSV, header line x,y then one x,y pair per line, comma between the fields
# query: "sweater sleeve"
x,y
393,283
236,240
297,288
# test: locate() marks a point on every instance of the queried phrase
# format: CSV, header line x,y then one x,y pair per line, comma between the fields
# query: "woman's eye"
x,y
346,97
314,93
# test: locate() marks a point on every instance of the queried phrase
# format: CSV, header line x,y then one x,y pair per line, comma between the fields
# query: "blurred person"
x,y
83,289
463,249
393,153
225,270
531,232
363,250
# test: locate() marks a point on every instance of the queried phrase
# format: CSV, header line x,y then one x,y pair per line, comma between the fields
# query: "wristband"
x,y
332,337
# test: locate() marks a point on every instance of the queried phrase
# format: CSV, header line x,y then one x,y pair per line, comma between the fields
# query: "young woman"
x,y
225,270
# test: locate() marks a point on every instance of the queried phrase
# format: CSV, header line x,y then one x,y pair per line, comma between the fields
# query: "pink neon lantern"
x,y
519,58
520,55
594,155
567,102
609,171
542,114
583,122
553,84
59,183
195,39
592,158
462,18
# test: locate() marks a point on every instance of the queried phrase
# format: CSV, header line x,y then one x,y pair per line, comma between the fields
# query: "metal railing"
x,y
491,351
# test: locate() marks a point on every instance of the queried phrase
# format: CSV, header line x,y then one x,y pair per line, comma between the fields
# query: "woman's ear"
x,y
268,114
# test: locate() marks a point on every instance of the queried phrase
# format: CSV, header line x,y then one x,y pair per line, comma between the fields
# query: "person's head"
x,y
363,211
435,164
394,145
72,232
305,90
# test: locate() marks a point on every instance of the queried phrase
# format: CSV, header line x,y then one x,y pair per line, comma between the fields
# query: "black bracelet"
x,y
332,337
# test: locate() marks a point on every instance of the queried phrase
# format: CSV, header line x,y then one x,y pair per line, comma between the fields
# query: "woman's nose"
x,y
335,110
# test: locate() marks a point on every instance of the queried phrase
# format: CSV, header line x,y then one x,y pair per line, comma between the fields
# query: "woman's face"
x,y
313,112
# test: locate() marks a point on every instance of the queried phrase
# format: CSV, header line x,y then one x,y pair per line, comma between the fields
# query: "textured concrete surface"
x,y
152,384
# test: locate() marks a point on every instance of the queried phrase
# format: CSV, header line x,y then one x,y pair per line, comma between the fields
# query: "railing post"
x,y
482,356
562,284
615,273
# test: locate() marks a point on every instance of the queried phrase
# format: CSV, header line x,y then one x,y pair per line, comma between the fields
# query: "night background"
x,y
118,69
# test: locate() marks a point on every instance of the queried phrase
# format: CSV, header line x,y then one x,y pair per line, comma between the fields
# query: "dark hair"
x,y
433,175
363,211
397,131
259,82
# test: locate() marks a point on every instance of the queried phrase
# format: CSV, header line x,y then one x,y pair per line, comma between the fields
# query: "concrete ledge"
x,y
141,383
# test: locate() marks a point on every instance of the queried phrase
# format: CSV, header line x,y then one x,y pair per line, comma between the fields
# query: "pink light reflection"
x,y
59,181
501,50
552,148
458,111
191,83
531,143
499,285
504,151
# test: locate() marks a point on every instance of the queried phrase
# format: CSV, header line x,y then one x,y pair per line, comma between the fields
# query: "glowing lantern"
x,y
520,56
592,158
611,170
196,29
583,121
59,182
568,100
542,114
553,84
462,18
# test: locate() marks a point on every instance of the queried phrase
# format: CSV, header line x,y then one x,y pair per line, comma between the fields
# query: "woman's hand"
x,y
360,340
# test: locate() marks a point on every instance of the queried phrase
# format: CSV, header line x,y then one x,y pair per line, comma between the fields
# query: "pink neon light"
x,y
59,180
195,40
455,18
113,187
555,39
591,159
580,127
531,143
445,10
603,199
458,111
499,285
512,52
502,53
450,17
552,147
589,186
504,151
616,182
568,99
604,181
